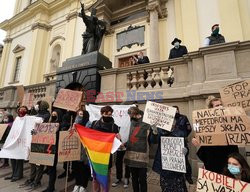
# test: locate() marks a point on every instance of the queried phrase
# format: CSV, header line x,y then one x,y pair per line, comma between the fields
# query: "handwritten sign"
x,y
160,115
172,155
69,146
28,100
213,182
222,126
68,99
43,142
3,128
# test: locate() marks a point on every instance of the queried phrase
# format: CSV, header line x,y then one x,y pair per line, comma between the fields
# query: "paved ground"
x,y
7,186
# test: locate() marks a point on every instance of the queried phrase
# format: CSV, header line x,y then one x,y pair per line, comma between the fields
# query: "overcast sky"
x,y
6,12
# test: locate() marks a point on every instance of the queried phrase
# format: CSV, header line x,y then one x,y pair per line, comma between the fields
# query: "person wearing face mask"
x,y
237,168
137,153
140,59
105,124
17,164
7,119
56,117
81,168
36,171
215,37
178,50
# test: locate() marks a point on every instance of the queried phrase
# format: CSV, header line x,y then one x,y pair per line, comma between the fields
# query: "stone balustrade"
x,y
198,73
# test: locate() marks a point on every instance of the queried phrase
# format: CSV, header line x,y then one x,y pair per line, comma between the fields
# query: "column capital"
x,y
158,6
7,40
43,26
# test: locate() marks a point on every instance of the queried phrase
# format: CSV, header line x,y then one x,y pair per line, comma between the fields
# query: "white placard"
x,y
172,156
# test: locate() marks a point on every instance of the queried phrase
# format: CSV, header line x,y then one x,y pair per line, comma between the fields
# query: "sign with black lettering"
x,y
160,115
172,155
221,126
237,94
43,142
213,182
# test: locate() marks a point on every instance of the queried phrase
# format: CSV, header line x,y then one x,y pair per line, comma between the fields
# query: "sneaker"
x,y
116,183
82,189
126,182
76,188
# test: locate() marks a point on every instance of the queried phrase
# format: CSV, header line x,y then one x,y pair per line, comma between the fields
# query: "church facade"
x,y
43,34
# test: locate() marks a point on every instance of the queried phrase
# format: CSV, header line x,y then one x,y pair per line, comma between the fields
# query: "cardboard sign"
x,y
237,94
213,182
68,99
43,142
172,155
222,126
20,93
3,128
28,100
69,146
160,115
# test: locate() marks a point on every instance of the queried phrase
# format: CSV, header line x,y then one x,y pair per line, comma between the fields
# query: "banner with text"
x,y
68,99
160,115
43,143
237,94
120,116
69,148
222,126
17,144
172,155
213,182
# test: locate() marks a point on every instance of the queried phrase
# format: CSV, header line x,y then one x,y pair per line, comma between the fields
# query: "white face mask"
x,y
36,107
176,45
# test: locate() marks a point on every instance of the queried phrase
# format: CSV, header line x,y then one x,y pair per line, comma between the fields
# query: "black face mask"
x,y
53,118
133,119
177,115
107,119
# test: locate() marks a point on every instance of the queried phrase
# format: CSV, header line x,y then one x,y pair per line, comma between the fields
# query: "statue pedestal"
x,y
82,71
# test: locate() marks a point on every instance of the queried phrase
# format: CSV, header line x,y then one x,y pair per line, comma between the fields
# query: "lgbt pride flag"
x,y
98,145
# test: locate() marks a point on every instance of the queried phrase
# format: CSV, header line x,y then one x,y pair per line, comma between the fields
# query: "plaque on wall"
x,y
131,36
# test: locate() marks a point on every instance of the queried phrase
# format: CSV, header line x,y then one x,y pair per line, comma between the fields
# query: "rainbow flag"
x,y
98,145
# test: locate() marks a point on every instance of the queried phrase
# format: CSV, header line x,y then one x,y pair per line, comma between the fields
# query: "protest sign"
x,y
20,93
69,148
18,142
120,115
160,115
172,155
68,99
28,100
222,126
213,182
3,128
43,142
237,94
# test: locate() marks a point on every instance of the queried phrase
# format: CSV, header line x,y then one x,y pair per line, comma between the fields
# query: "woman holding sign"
x,y
237,168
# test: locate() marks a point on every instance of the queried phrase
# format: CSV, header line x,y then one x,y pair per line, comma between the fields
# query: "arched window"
x,y
55,59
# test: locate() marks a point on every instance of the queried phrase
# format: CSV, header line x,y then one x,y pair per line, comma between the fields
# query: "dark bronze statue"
x,y
95,30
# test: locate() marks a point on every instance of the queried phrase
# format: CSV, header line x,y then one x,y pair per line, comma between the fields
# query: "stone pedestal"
x,y
82,71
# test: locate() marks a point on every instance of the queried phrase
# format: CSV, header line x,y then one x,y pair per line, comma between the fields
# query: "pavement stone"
x,y
7,186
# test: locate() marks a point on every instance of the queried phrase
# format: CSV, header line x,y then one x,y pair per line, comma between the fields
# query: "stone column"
x,y
154,33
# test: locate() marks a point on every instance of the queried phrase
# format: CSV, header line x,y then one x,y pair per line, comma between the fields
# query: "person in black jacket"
x,y
105,124
178,50
56,117
215,37
140,59
36,171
